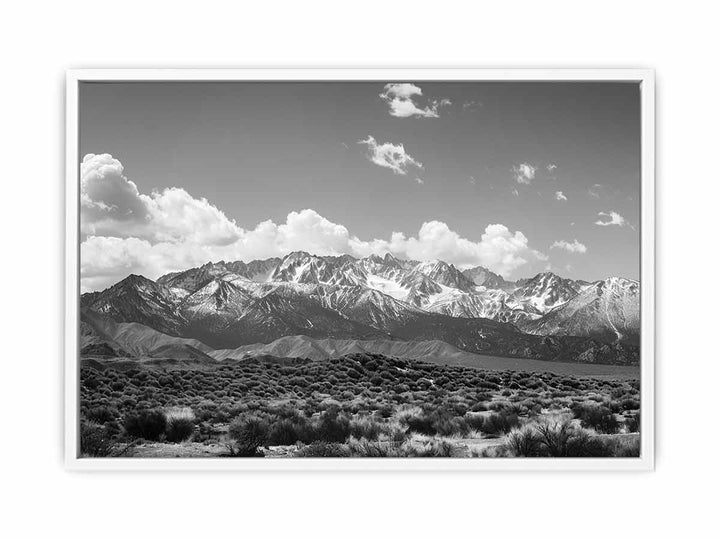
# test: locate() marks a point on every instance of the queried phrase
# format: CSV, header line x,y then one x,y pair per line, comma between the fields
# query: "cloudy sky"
x,y
517,177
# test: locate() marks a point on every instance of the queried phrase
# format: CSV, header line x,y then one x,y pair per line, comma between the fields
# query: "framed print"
x,y
360,269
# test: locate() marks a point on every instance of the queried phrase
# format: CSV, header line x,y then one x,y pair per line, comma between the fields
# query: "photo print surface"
x,y
359,269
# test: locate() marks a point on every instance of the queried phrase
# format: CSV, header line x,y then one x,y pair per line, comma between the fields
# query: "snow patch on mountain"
x,y
387,286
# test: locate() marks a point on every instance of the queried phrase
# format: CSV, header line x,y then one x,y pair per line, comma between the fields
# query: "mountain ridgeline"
x,y
222,310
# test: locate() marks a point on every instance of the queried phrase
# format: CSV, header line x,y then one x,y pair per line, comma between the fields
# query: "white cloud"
x,y
104,190
419,180
551,167
612,218
498,249
472,105
401,97
127,232
515,192
391,156
524,173
105,259
560,196
571,247
110,203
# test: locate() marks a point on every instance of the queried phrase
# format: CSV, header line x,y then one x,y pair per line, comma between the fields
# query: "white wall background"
x,y
38,42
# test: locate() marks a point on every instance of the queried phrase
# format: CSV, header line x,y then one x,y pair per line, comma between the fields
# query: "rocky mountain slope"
x,y
104,338
229,305
607,310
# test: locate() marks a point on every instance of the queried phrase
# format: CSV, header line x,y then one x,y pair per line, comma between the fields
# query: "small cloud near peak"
x,y
610,218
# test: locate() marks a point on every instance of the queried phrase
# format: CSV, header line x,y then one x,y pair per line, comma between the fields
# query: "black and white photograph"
x,y
409,270
398,268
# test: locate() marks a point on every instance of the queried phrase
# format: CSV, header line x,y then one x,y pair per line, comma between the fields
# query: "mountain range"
x,y
228,306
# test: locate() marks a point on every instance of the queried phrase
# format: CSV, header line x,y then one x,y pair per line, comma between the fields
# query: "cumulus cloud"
x,y
471,105
551,167
401,98
560,196
106,259
391,156
571,247
498,249
524,173
105,191
610,218
110,203
125,231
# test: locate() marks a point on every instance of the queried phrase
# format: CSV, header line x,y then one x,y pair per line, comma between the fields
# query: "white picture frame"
x,y
644,77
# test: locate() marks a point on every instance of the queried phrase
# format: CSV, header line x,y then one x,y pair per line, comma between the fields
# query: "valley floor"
x,y
463,359
359,405
498,363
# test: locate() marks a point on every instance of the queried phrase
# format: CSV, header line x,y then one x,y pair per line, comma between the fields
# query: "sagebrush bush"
x,y
365,448
179,429
394,435
474,421
419,422
333,427
102,415
149,425
249,434
562,439
323,449
597,417
632,423
431,448
524,442
584,444
622,446
286,431
499,423
630,404
438,421
94,440
555,438
366,428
